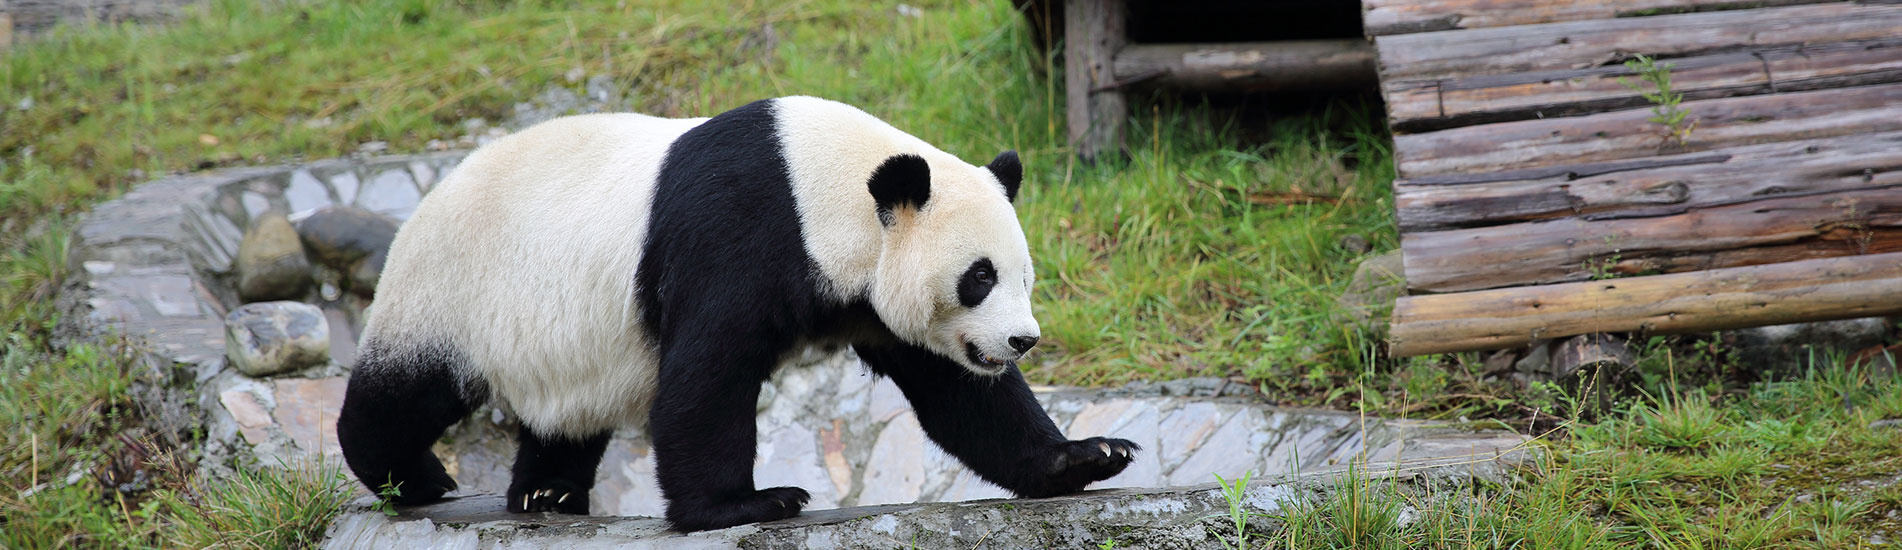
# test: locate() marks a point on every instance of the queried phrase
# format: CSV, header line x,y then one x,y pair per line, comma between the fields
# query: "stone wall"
x,y
26,17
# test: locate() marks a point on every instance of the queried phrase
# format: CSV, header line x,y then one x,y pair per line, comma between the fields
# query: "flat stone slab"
x,y
1169,518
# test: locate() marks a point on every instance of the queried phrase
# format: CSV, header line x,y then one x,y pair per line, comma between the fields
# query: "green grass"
x,y
1788,464
77,470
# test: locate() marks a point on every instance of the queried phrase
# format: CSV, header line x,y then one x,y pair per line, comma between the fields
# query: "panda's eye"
x,y
976,283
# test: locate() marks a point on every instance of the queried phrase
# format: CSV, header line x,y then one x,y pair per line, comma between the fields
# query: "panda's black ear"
x,y
901,181
1009,172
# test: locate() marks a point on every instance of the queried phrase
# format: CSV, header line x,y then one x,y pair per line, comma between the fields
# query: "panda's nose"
x,y
1022,343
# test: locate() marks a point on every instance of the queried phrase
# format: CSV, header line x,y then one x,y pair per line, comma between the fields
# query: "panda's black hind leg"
x,y
554,474
394,407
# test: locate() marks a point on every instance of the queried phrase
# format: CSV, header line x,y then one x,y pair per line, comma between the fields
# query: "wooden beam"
x,y
1692,180
1384,17
1423,105
1250,66
1755,230
1811,290
1452,55
1093,32
1627,135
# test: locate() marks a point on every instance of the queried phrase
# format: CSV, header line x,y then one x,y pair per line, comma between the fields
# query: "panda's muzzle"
x,y
986,361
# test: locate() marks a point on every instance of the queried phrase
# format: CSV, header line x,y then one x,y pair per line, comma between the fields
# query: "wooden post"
x,y
1093,31
6,26
1250,66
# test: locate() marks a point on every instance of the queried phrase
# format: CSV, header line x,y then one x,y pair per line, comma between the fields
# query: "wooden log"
x,y
1689,180
1626,135
1250,66
1794,292
1588,353
1451,55
1755,230
1384,17
1093,31
1421,105
1592,368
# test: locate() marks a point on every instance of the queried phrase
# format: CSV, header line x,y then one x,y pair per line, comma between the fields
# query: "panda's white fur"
x,y
533,240
537,236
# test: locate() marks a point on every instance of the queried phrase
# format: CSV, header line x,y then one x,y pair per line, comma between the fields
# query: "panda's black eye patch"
x,y
976,283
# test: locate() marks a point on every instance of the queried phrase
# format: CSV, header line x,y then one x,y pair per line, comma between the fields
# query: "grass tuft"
x,y
274,508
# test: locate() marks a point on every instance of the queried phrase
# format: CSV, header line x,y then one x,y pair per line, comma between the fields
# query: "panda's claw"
x,y
564,498
1072,465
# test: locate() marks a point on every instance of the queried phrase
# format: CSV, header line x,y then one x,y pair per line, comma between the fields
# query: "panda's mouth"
x,y
980,359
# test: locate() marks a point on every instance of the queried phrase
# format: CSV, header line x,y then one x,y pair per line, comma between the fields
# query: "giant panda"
x,y
602,271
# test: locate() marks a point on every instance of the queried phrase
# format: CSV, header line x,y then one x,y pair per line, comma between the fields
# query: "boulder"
x,y
266,338
1369,298
271,262
352,241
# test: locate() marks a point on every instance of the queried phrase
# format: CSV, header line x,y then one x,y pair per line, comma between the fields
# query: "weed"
x,y
1236,494
1665,109
384,494
1605,268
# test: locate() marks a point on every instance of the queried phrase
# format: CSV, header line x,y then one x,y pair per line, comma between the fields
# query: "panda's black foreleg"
x,y
554,474
395,405
994,425
704,436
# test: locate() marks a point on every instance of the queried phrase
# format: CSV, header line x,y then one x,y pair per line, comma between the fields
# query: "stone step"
x,y
1158,518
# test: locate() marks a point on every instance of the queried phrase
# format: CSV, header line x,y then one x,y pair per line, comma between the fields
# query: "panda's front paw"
x,y
552,495
754,507
1075,464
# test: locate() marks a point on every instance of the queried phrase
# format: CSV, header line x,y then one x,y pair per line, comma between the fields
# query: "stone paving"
x,y
158,265
1184,518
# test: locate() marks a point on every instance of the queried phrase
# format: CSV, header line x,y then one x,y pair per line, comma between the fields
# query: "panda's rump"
x,y
523,259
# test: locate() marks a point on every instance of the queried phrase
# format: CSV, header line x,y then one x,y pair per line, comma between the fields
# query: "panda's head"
x,y
954,271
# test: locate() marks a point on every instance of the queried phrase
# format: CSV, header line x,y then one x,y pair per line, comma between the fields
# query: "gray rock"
x,y
1370,296
1195,387
350,240
365,274
1790,347
1357,244
1886,423
268,338
1537,361
271,263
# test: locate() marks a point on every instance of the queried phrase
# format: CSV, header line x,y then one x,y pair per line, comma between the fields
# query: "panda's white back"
x,y
510,256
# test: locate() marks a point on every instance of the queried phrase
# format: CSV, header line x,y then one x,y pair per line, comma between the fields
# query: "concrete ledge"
x,y
1165,518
